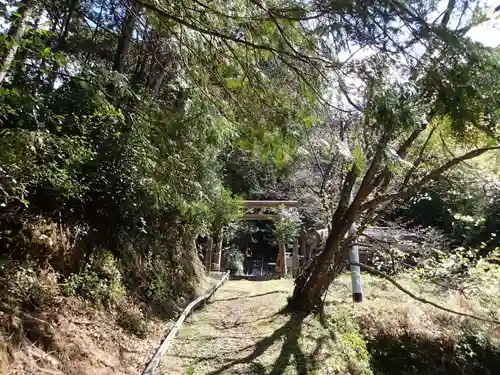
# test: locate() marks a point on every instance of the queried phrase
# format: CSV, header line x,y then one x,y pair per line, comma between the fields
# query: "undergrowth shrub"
x,y
159,291
351,353
26,286
132,320
414,354
162,275
431,343
99,281
42,241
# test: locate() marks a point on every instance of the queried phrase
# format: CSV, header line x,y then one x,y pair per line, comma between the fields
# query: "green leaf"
x,y
310,121
359,159
279,158
60,58
46,52
232,83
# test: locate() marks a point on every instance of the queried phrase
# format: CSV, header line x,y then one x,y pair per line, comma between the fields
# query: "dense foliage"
x,y
130,128
119,129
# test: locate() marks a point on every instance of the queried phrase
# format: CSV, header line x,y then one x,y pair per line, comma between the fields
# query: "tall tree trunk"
x,y
94,35
295,257
72,5
143,65
67,23
126,34
140,69
314,282
159,81
16,33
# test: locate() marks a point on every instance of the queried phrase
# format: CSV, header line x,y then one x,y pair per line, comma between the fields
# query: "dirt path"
x,y
240,332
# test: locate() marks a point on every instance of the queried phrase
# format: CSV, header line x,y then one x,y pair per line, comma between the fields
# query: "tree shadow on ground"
x,y
224,325
251,296
411,354
291,352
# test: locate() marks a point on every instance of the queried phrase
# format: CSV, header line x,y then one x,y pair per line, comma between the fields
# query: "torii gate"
x,y
281,265
320,237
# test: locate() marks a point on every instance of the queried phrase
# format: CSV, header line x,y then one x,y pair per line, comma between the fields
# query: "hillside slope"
x,y
69,336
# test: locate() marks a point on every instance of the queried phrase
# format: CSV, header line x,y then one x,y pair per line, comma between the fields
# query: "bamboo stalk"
x,y
165,345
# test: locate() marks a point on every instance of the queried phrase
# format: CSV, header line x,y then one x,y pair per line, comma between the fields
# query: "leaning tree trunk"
x,y
314,280
327,265
16,33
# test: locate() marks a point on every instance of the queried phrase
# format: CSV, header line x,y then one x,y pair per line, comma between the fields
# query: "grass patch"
x,y
413,354
406,337
243,332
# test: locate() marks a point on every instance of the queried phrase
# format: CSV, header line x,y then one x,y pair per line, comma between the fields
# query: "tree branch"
x,y
368,182
421,299
348,97
200,29
419,159
327,173
447,13
345,195
282,32
402,150
429,177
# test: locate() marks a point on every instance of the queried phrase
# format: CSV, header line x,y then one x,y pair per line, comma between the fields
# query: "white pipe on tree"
x,y
357,289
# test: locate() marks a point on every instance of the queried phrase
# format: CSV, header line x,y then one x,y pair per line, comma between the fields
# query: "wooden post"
x,y
223,262
302,243
218,251
295,258
282,255
208,262
277,267
315,244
